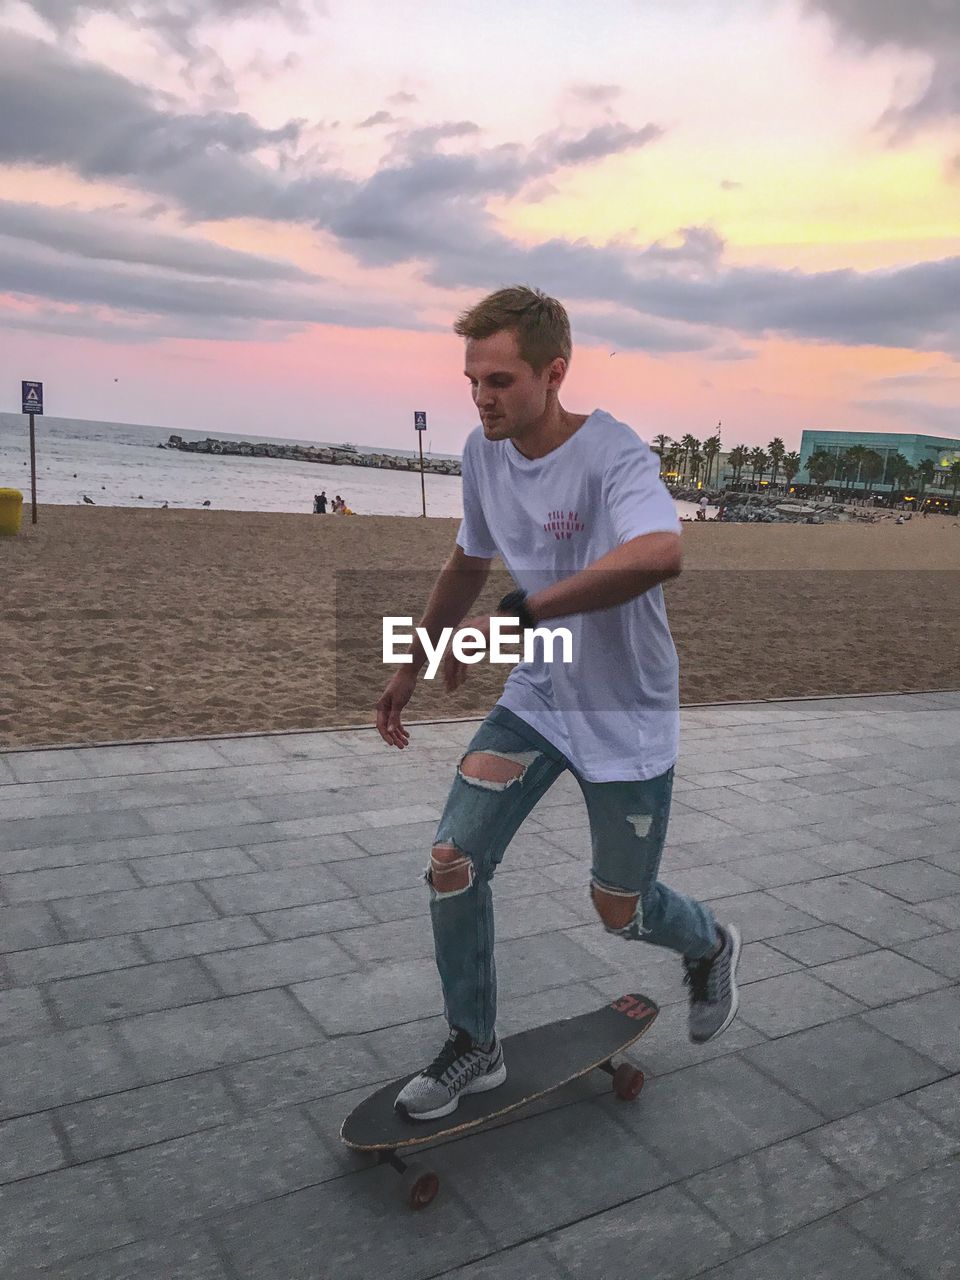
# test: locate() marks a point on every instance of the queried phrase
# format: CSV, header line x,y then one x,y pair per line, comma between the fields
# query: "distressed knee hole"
x,y
494,770
450,870
617,909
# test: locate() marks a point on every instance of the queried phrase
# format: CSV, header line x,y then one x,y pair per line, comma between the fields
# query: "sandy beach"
x,y
120,624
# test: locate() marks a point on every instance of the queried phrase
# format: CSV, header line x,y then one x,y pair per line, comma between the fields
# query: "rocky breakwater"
x,y
332,455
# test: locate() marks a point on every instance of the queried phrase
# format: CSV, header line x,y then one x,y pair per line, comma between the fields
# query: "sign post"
x,y
31,402
420,426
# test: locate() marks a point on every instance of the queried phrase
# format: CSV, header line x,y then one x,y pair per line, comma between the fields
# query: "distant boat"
x,y
350,448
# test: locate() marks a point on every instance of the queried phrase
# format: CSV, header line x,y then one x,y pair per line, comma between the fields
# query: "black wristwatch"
x,y
514,605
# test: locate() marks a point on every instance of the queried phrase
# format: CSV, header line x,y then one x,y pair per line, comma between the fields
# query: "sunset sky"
x,y
227,215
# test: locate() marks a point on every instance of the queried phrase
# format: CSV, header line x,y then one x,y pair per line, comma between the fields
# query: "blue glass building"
x,y
940,450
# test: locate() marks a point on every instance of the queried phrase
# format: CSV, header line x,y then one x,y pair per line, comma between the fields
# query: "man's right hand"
x,y
392,701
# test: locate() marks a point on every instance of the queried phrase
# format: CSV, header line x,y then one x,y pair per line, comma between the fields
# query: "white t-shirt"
x,y
614,711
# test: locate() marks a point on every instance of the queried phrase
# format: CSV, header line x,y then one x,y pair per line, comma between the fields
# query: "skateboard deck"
x,y
538,1062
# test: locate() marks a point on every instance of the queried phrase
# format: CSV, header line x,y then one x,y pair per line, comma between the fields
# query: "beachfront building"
x,y
941,451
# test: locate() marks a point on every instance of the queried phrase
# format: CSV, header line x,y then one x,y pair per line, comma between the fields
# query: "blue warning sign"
x,y
31,393
420,419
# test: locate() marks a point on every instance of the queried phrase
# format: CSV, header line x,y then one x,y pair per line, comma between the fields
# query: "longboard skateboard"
x,y
538,1061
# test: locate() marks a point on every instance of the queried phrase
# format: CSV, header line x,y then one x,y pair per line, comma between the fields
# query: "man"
x,y
574,505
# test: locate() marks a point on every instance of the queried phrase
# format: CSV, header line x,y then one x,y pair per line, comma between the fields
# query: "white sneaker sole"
x,y
734,933
483,1084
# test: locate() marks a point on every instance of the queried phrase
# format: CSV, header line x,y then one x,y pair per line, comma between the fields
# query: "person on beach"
x,y
320,503
574,505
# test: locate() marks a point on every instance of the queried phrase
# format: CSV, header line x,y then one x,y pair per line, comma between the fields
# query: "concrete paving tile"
x,y
925,1023
773,869
939,1101
186,1256
23,1013
131,910
61,1067
940,953
716,881
946,912
864,910
302,853
71,959
767,1193
339,1229
271,890
821,945
885,1143
277,964
177,1042
28,1146
195,817
57,1216
199,939
382,873
880,977
915,1220
843,1066
913,881
304,1075
758,915
526,1262
711,1113
66,882
199,865
103,997
140,1117
822,1251
791,1002
552,1170
319,917
28,833
27,926
758,960
670,1232
216,1170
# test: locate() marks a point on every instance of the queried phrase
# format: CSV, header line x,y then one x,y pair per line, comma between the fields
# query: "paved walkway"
x,y
213,949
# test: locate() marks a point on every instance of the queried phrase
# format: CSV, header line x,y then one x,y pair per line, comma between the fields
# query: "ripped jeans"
x,y
628,827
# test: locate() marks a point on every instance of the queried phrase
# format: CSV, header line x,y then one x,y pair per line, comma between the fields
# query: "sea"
x,y
121,465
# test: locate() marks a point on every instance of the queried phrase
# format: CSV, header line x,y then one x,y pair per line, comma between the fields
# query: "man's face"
x,y
509,396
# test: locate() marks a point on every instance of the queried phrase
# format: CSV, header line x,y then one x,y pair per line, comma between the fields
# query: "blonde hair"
x,y
541,323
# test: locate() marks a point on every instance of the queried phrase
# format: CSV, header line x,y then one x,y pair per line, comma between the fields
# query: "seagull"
x,y
89,501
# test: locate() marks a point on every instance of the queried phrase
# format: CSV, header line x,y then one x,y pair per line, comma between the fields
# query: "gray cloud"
x,y
596,94
930,27
919,415
175,22
378,117
106,237
230,308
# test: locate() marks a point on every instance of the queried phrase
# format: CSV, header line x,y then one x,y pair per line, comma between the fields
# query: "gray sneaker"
x,y
460,1067
714,999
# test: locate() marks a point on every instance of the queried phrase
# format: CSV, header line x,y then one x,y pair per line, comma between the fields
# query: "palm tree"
x,y
898,472
758,462
871,467
954,474
688,444
711,451
738,460
776,450
855,458
791,465
821,466
925,473
672,460
696,461
660,443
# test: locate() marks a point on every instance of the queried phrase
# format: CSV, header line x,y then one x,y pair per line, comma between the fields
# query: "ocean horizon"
x,y
119,465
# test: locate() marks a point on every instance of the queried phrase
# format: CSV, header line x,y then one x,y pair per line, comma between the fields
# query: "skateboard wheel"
x,y
627,1082
420,1185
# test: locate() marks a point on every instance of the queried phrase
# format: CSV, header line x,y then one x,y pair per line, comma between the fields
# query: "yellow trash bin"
x,y
11,509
